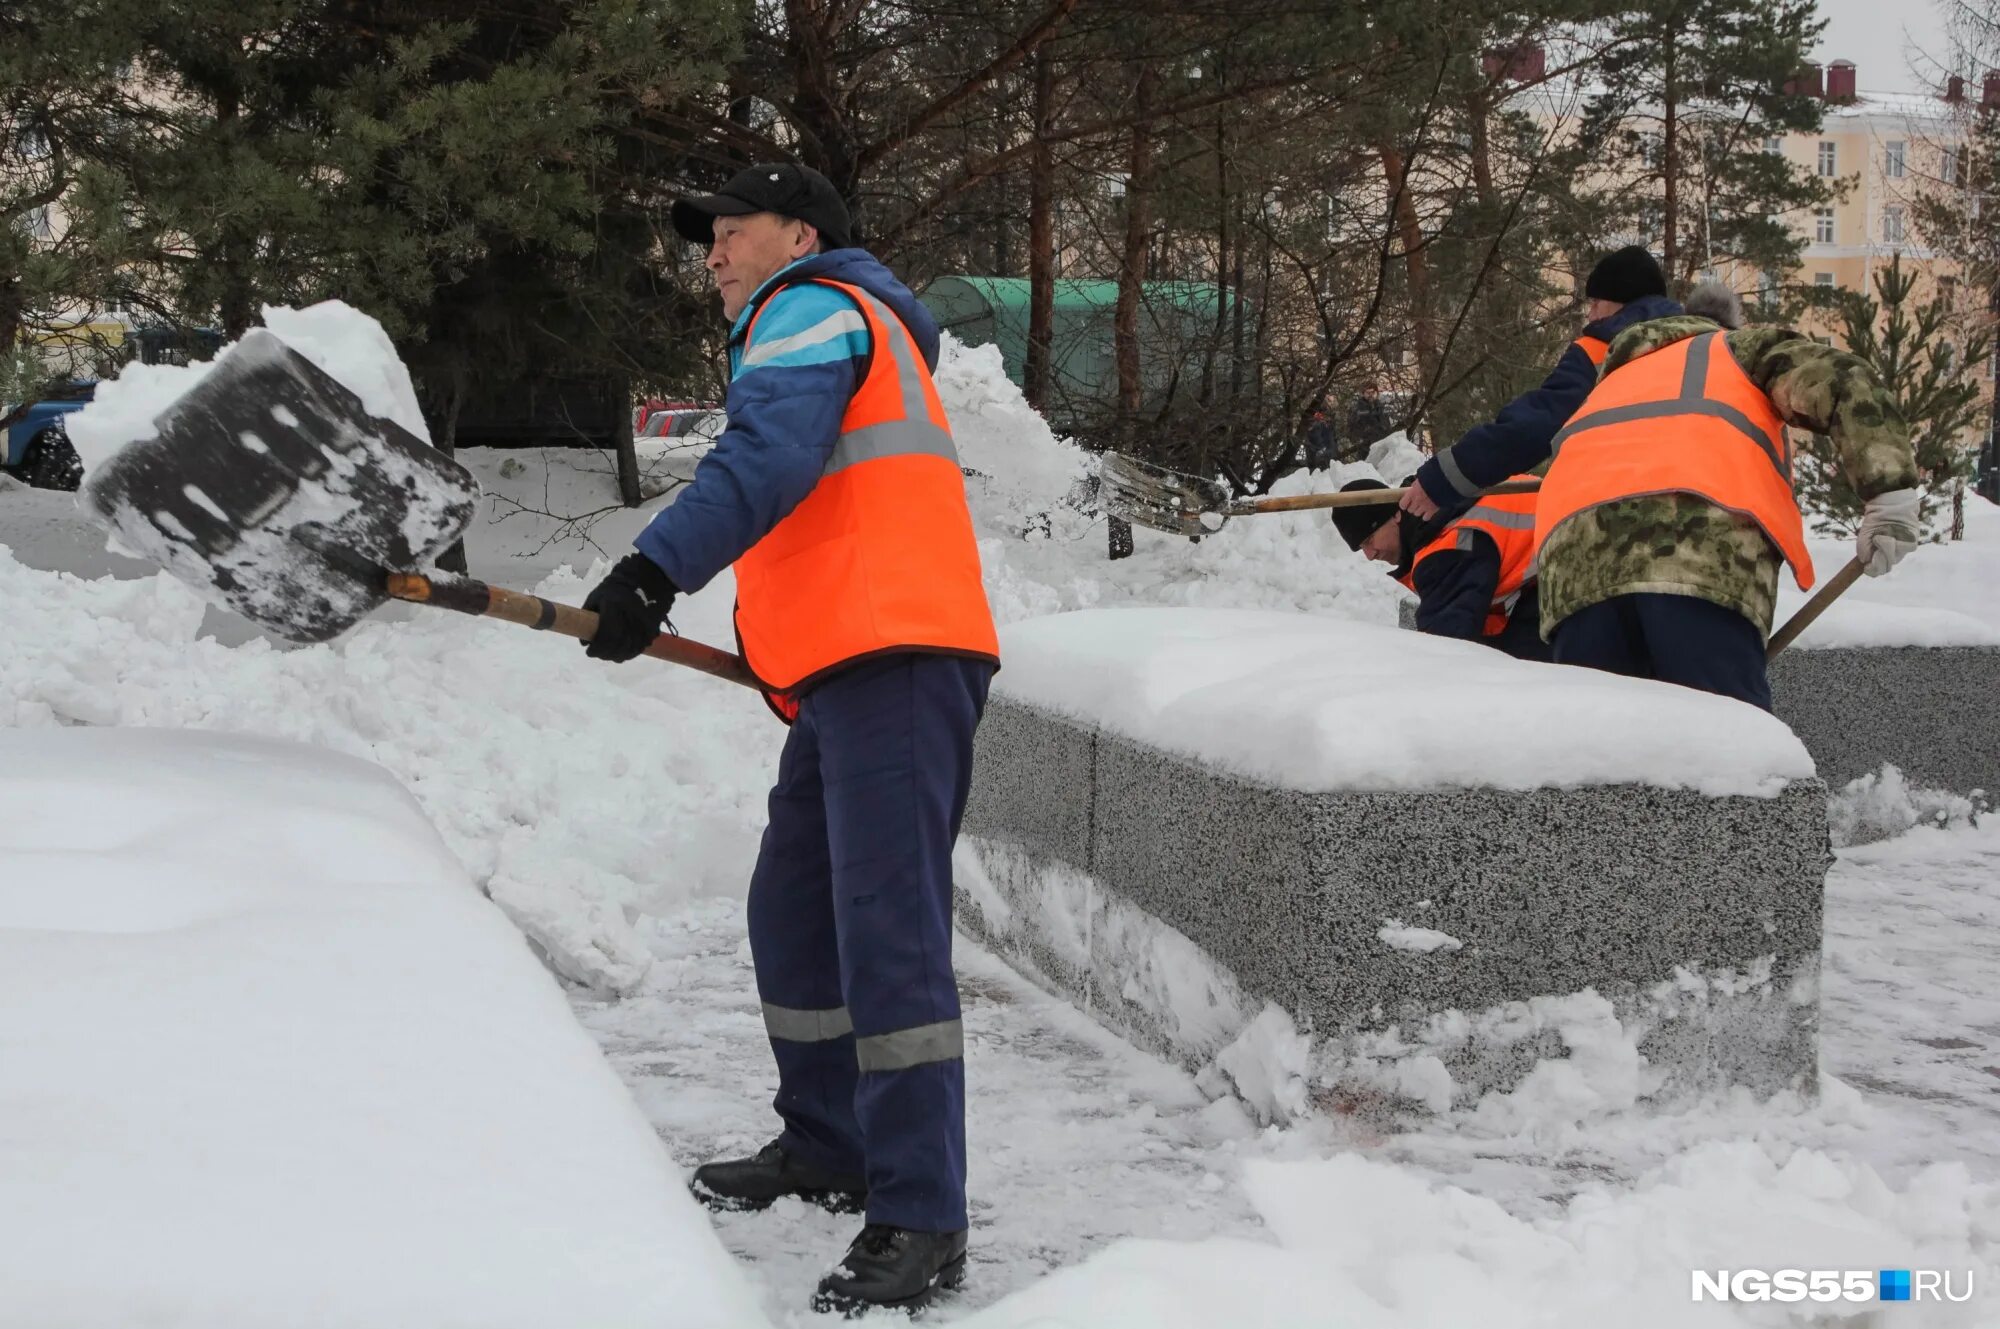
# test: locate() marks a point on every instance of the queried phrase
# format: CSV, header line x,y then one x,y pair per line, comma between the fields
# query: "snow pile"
x,y
579,794
270,1060
1851,622
1883,803
1399,936
1364,1242
1267,1065
1318,705
1019,469
1925,600
334,335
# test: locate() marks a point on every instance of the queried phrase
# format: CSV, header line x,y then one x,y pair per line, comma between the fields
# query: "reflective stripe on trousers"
x,y
900,1050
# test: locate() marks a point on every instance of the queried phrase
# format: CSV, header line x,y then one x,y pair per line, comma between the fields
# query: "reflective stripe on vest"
x,y
1683,419
880,557
1509,521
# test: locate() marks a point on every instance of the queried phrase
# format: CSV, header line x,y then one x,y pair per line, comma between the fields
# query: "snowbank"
x,y
337,337
1364,1244
578,794
1316,705
271,1060
1954,580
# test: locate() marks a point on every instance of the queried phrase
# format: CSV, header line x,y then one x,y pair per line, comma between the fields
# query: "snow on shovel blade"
x,y
270,488
1164,500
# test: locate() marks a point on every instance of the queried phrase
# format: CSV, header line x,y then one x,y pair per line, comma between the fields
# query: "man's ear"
x,y
808,241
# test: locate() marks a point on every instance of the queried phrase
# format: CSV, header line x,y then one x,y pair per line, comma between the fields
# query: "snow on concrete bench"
x,y
268,1058
1438,864
1914,686
1871,683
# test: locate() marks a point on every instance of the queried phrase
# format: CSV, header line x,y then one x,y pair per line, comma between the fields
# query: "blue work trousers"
x,y
850,931
1674,638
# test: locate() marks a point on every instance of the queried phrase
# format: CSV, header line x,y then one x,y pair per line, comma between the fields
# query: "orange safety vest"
x,y
880,557
1509,521
1594,347
1685,419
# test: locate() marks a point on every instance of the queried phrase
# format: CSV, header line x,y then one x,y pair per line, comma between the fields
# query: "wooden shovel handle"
x,y
467,596
1357,498
1813,608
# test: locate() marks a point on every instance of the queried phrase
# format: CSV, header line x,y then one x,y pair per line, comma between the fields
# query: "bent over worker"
x,y
835,492
1625,287
1668,511
1473,574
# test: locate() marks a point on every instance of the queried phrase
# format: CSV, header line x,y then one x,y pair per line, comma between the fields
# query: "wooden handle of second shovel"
x,y
1358,498
1813,608
467,596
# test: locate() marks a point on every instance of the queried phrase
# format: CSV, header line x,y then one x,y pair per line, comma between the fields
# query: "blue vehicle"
x,y
38,449
38,446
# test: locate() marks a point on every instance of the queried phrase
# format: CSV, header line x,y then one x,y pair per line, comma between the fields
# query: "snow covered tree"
x,y
1931,366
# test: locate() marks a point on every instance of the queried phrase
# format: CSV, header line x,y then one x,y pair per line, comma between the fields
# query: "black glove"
x,y
631,605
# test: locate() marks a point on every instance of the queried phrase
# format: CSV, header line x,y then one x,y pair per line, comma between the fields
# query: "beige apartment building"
x,y
1883,151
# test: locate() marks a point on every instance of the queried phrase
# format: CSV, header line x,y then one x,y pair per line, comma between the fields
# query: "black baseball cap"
x,y
786,188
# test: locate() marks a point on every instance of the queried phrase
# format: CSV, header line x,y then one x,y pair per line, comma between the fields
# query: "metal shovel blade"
x,y
1164,500
271,488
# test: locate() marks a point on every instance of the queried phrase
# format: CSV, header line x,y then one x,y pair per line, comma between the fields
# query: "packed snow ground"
x,y
613,812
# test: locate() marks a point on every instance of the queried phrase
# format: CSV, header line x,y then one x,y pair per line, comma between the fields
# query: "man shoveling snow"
x,y
836,494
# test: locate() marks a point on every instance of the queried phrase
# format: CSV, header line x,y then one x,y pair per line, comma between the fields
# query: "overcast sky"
x,y
1888,41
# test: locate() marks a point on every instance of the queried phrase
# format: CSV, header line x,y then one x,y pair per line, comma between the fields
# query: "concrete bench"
x,y
1129,846
1870,683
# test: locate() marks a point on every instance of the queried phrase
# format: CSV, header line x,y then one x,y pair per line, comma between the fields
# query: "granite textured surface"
x,y
1932,711
1173,902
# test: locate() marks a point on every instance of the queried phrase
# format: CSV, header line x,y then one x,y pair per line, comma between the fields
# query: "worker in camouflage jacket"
x,y
1668,512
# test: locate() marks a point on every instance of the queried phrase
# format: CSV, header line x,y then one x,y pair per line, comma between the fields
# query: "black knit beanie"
x,y
1625,275
1357,524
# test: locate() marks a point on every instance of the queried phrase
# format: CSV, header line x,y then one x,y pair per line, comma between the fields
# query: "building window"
x,y
1823,225
1948,292
40,224
1774,145
1948,165
1826,157
1823,279
1892,226
1892,159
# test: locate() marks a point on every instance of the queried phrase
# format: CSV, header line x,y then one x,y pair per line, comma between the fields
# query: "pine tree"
x,y
1933,377
62,103
1692,91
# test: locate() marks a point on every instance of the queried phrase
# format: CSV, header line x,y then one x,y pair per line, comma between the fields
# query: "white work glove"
x,y
1888,531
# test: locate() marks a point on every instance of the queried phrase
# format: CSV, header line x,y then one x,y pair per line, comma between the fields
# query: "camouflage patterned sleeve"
x,y
1832,392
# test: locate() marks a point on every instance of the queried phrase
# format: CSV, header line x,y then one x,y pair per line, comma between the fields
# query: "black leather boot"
x,y
771,1174
892,1268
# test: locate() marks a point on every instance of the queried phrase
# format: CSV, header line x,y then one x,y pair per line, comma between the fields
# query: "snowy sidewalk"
x,y
1078,1140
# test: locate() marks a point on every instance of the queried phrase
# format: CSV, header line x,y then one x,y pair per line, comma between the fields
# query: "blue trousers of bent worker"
x,y
1674,638
850,931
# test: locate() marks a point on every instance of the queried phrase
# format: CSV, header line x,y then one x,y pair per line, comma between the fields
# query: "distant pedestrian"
x,y
1367,418
1322,440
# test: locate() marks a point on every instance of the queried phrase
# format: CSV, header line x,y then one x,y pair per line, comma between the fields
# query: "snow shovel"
x,y
1164,500
270,485
1813,608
